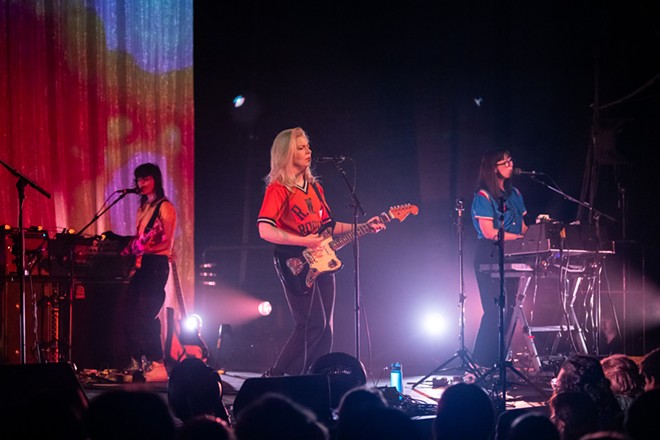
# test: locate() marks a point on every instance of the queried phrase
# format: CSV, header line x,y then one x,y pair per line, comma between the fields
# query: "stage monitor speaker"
x,y
311,391
35,393
344,371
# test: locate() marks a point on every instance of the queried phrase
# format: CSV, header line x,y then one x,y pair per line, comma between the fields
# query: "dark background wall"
x,y
414,94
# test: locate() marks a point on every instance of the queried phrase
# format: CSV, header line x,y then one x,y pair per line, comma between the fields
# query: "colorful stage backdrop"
x,y
88,91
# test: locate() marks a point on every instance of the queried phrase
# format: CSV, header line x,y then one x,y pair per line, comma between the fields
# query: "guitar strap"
x,y
322,199
153,218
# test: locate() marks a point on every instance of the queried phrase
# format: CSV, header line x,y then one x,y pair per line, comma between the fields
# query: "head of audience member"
x,y
378,423
533,426
194,388
465,412
360,399
574,413
205,427
128,413
584,373
625,380
642,421
649,368
275,416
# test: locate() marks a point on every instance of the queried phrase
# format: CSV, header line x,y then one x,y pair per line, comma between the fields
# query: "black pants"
x,y
144,299
486,345
312,335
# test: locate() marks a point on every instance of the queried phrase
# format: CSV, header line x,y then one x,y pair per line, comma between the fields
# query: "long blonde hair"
x,y
281,159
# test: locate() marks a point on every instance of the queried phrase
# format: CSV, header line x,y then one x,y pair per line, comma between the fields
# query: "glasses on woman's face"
x,y
506,162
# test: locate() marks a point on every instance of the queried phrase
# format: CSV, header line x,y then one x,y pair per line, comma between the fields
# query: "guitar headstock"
x,y
400,212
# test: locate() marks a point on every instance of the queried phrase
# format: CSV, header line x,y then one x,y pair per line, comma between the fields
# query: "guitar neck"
x,y
177,287
361,230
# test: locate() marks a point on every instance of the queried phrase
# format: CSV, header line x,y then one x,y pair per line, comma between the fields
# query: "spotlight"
x,y
192,323
265,308
434,324
239,101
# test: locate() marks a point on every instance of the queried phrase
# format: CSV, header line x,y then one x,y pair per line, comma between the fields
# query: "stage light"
x,y
265,308
192,323
239,101
434,324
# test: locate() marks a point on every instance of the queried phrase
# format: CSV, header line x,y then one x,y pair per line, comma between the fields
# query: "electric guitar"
x,y
135,247
299,267
181,344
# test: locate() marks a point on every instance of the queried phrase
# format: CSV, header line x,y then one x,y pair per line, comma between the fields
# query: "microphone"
x,y
519,172
129,191
335,159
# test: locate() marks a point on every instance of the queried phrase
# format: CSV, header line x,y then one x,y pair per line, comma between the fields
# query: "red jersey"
x,y
300,212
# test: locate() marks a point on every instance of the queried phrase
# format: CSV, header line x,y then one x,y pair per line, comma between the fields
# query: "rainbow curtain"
x,y
88,91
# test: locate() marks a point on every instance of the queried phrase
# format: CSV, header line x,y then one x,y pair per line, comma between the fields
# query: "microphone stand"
x,y
100,213
22,182
467,364
502,364
357,206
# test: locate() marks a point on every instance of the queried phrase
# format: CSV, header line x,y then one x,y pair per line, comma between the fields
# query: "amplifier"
x,y
88,258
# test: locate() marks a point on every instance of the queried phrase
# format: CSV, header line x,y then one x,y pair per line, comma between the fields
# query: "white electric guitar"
x,y
320,260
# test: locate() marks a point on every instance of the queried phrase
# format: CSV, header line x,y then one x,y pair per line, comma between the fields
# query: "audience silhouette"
x,y
465,412
642,421
625,379
193,389
532,426
592,399
204,427
584,373
129,414
574,413
649,368
276,417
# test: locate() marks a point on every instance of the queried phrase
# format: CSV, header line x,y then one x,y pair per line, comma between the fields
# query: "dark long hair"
x,y
584,373
146,170
487,178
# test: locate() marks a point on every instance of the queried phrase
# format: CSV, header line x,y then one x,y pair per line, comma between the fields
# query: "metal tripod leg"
x,y
467,364
574,321
519,314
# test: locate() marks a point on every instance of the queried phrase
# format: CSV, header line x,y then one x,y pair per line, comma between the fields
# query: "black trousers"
x,y
144,299
486,345
312,335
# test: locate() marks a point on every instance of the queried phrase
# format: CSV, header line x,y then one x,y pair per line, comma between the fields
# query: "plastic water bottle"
x,y
396,377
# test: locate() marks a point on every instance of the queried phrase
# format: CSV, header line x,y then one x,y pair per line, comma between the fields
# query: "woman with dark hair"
x,y
152,247
494,199
584,373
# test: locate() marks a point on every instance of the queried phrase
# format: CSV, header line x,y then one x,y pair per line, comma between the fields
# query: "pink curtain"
x,y
88,91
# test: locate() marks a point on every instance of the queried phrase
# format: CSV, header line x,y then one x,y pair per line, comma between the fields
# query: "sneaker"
x,y
133,366
155,372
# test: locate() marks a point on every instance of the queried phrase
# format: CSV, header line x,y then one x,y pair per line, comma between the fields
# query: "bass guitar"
x,y
299,267
182,343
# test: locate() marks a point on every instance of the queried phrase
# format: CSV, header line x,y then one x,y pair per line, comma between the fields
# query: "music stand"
x,y
467,364
502,364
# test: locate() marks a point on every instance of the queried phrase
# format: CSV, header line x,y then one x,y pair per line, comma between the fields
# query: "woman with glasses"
x,y
497,207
